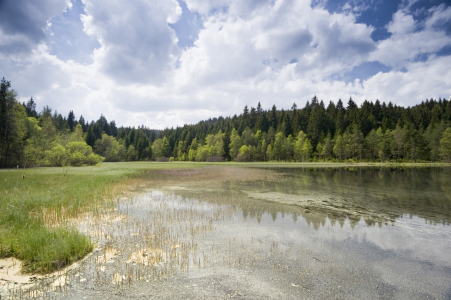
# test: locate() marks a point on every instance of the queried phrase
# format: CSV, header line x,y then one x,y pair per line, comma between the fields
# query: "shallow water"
x,y
339,233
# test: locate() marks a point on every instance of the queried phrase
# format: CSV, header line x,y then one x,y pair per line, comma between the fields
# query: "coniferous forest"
x,y
376,132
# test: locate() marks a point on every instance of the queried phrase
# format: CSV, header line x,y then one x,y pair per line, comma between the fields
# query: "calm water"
x,y
366,233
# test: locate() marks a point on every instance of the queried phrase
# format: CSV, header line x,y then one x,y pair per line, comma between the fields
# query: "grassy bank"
x,y
33,210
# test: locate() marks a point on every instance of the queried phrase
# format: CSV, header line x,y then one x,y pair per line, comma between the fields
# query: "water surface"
x,y
299,233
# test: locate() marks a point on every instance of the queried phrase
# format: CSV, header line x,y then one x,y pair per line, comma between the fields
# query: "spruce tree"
x,y
71,120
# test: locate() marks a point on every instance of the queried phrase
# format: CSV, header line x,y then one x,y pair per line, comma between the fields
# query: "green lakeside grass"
x,y
67,192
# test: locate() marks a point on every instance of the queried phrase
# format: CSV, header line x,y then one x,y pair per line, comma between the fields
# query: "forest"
x,y
376,132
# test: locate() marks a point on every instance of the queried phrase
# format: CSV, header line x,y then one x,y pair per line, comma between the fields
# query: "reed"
x,y
36,209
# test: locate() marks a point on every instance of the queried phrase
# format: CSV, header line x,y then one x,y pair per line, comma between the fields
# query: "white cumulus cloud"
x,y
137,44
273,52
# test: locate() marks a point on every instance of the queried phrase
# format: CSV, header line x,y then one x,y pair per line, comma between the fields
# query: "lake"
x,y
271,233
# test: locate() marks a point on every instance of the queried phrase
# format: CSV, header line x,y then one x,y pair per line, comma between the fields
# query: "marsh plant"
x,y
36,211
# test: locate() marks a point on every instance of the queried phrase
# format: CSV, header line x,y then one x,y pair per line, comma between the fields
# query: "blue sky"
x,y
169,62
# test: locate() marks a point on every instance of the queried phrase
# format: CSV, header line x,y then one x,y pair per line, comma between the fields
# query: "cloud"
x,y
340,43
137,44
23,23
409,40
232,48
66,38
418,82
401,24
244,52
439,15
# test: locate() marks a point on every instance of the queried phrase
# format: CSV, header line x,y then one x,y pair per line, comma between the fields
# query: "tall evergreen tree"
x,y
83,123
12,125
71,120
90,136
340,117
317,121
30,108
273,117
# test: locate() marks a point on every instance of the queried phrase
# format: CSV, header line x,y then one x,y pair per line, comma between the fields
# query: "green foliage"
x,y
278,145
80,153
244,153
215,144
13,129
398,144
382,145
327,149
307,149
374,131
157,149
269,153
445,145
110,148
298,145
235,143
131,153
339,147
76,159
57,156
93,159
201,153
213,147
289,148
191,154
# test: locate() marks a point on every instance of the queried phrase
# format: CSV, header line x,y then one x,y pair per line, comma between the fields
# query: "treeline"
x,y
372,132
29,138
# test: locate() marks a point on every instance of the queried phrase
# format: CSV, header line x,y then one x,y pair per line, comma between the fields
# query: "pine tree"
x,y
12,126
90,137
317,121
30,108
339,120
71,120
84,125
259,108
273,117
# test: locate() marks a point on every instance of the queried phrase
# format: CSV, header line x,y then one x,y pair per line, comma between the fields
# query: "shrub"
x,y
94,159
57,156
76,159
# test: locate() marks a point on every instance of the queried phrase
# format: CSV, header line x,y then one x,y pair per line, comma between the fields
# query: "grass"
x,y
34,210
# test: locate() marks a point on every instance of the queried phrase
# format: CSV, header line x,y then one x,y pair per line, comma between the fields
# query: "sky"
x,y
166,63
